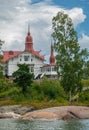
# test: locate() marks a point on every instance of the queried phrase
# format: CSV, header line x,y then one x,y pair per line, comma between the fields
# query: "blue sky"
x,y
16,15
83,4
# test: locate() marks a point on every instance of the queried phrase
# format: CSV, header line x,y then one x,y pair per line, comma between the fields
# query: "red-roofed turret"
x,y
29,42
52,58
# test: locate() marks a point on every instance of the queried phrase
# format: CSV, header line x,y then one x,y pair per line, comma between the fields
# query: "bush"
x,y
52,88
8,89
46,89
36,91
85,82
84,96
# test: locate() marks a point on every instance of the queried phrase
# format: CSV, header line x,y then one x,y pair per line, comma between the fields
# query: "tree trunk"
x,y
77,100
70,98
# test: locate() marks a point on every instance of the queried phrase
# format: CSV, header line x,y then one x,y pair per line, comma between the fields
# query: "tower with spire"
x,y
29,41
52,58
49,69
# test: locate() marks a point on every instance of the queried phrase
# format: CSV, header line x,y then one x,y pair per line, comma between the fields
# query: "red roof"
x,y
7,55
37,54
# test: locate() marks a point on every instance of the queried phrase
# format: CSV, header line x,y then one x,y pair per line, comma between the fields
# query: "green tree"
x,y
86,70
1,67
22,77
70,59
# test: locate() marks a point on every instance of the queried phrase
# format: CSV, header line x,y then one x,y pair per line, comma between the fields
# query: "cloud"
x,y
15,16
84,41
77,16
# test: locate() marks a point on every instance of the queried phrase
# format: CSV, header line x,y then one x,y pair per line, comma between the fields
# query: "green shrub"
x,y
36,91
10,93
8,89
46,89
84,96
52,88
85,82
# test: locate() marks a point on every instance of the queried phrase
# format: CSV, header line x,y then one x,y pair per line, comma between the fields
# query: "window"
x,y
42,69
48,69
52,68
31,68
32,58
20,58
26,58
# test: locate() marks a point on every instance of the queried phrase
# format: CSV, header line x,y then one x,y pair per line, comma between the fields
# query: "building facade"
x,y
31,57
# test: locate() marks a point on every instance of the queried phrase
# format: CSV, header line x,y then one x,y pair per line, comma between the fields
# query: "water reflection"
x,y
75,125
11,124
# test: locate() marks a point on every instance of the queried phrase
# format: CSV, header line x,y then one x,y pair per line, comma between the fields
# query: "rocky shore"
x,y
14,111
28,112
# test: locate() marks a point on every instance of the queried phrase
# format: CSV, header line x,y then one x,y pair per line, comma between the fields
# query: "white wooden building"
x,y
29,56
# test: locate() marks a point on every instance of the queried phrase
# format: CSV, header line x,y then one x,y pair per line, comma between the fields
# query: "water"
x,y
13,124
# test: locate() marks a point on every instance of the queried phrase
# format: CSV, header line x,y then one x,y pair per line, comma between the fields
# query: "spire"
x,y
52,58
51,48
29,41
28,29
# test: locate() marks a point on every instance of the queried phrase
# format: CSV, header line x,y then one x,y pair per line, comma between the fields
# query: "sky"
x,y
16,15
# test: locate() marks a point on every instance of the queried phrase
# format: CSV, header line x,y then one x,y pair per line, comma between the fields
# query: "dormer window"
x,y
26,58
11,52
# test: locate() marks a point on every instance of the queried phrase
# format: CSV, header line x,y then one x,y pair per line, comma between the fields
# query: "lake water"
x,y
13,124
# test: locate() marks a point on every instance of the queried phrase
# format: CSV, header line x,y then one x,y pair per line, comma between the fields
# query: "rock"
x,y
40,115
64,112
18,109
70,116
27,113
9,115
82,113
14,111
23,109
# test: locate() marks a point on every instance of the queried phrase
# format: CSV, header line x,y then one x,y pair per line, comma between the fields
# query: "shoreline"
x,y
29,113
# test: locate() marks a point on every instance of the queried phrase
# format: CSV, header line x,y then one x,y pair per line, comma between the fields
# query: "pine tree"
x,y
22,77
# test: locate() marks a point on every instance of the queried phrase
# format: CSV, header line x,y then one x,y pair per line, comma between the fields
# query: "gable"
x,y
7,55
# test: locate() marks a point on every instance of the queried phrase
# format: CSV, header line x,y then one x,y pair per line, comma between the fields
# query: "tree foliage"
x,y
22,77
70,59
47,89
1,67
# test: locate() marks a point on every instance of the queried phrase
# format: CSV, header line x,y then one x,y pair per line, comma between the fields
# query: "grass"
x,y
37,104
41,104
